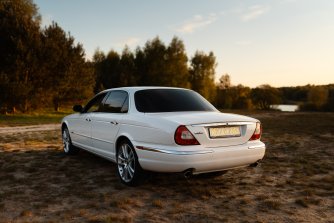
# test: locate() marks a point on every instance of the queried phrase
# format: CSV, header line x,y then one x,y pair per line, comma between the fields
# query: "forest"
x,y
44,67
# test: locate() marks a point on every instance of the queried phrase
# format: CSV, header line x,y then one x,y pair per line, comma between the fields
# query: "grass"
x,y
36,118
294,182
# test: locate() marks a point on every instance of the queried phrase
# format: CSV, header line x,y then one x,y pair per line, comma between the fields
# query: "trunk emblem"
x,y
198,133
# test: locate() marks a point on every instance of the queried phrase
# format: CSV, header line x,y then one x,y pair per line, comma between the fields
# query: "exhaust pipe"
x,y
188,173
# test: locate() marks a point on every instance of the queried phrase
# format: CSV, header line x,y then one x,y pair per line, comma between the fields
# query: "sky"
x,y
281,42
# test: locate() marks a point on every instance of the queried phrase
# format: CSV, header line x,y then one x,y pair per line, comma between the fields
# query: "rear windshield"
x,y
170,100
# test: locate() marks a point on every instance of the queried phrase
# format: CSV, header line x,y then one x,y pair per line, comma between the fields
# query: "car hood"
x,y
191,118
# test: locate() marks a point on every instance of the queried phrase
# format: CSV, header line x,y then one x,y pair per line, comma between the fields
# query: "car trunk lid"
x,y
214,129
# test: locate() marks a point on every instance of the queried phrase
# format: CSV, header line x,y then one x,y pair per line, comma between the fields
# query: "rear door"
x,y
106,124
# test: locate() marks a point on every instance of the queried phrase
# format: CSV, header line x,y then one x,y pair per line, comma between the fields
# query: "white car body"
x,y
152,136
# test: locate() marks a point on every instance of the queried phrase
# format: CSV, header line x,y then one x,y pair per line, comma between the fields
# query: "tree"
x,y
160,65
225,81
153,65
264,96
67,74
20,51
111,77
330,101
177,73
202,74
236,97
99,64
127,69
317,96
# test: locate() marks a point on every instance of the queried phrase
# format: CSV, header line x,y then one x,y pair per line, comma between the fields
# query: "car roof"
x,y
137,88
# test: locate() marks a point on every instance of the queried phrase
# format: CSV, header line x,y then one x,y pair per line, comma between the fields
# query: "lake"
x,y
286,108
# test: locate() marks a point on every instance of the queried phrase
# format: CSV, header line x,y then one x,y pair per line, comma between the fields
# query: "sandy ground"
x,y
29,128
294,183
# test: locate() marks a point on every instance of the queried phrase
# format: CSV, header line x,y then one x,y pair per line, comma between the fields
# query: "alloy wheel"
x,y
66,141
126,162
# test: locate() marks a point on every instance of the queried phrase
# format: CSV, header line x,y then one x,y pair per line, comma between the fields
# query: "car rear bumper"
x,y
199,159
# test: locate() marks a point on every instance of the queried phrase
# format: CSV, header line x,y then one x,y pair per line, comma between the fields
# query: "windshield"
x,y
170,100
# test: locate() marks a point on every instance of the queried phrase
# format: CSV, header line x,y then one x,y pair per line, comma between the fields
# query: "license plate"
x,y
223,132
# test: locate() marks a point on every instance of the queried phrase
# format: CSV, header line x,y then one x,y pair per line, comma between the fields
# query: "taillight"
x,y
257,133
184,137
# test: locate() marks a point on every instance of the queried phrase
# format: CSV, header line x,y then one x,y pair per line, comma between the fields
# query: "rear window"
x,y
116,102
170,100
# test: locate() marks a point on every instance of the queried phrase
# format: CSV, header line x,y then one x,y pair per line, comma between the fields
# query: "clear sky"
x,y
281,43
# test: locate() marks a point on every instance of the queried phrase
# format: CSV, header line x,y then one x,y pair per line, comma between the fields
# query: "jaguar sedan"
x,y
161,129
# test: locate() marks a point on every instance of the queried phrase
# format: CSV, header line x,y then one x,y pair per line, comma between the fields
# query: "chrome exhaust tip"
x,y
188,173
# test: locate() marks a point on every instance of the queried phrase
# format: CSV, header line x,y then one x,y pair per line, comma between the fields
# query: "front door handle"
x,y
114,123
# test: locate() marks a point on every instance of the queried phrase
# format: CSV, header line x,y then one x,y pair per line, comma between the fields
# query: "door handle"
x,y
114,123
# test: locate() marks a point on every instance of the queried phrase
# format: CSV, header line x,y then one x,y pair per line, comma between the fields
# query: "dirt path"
x,y
294,183
29,128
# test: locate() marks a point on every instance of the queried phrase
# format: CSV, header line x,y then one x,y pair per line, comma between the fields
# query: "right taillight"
x,y
257,133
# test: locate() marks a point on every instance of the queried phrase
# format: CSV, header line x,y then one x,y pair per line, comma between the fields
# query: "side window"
x,y
95,104
116,102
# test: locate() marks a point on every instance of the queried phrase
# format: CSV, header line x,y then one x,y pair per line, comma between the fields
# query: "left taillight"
x,y
184,137
257,133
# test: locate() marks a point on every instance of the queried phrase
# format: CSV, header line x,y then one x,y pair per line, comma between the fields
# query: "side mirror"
x,y
77,108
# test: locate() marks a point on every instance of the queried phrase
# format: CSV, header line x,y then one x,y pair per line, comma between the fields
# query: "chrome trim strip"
x,y
80,134
173,152
223,124
102,140
92,138
257,147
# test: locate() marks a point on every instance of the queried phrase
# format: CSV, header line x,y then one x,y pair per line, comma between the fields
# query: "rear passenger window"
x,y
116,102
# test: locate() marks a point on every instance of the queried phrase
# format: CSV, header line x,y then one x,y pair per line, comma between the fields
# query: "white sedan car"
x,y
161,129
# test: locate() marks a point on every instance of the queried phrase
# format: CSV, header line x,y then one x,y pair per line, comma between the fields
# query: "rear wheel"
x,y
128,168
67,142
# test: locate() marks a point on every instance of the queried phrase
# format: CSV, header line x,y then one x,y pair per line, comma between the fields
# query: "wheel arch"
x,y
120,139
128,138
63,126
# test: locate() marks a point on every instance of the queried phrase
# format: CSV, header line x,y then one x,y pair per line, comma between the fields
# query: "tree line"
x,y
44,67
308,97
156,64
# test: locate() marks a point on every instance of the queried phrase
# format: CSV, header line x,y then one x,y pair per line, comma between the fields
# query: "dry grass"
x,y
295,182
36,118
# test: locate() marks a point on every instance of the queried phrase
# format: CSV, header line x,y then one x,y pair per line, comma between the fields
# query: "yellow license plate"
x,y
223,132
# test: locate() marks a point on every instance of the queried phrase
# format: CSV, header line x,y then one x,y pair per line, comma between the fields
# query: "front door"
x,y
81,126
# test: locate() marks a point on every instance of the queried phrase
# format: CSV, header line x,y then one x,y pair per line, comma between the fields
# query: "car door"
x,y
81,125
106,124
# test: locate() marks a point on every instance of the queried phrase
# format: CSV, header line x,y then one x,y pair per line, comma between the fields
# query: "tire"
x,y
68,147
128,168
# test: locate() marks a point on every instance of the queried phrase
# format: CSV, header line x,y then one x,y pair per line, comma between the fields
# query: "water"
x,y
286,108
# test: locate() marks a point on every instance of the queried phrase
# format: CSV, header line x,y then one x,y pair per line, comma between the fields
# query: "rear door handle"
x,y
114,123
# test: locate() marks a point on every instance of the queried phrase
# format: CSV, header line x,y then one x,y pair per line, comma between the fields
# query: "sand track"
x,y
29,128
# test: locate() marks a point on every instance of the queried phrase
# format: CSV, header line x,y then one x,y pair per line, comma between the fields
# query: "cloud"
x,y
254,12
197,22
131,41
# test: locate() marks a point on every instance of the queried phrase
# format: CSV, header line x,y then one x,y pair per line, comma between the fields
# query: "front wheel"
x,y
67,143
128,168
